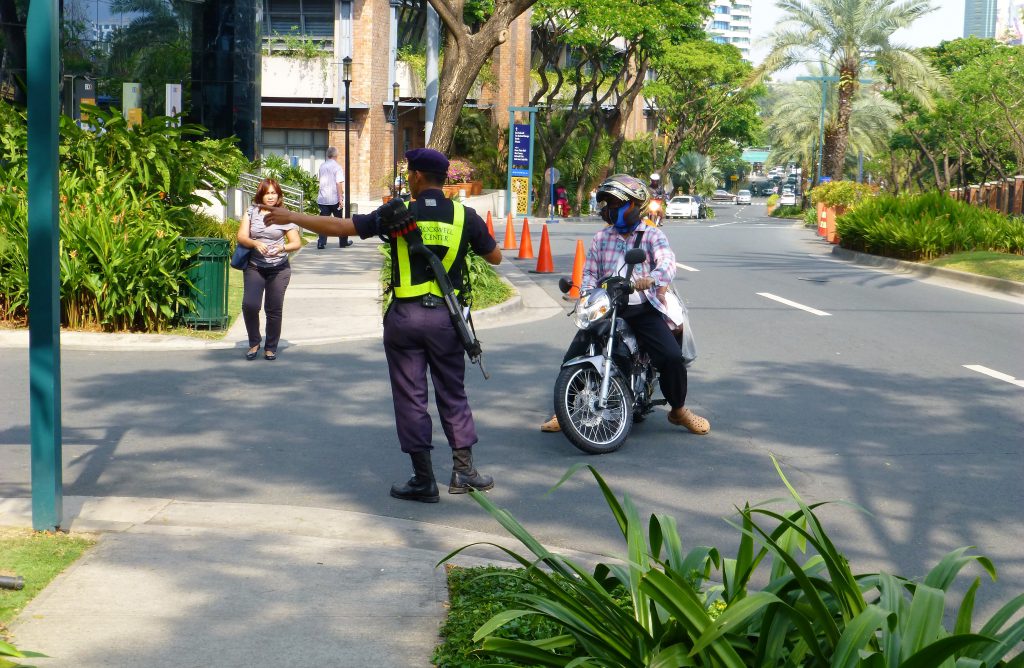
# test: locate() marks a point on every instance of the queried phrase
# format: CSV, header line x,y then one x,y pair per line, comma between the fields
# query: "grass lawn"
x,y
986,263
38,557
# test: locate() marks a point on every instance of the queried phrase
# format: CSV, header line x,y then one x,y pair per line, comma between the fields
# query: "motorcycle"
x,y
657,211
599,395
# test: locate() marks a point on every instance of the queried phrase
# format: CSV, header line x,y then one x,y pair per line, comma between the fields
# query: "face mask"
x,y
623,222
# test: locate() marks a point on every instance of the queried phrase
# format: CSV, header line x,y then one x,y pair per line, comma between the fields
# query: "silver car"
x,y
743,197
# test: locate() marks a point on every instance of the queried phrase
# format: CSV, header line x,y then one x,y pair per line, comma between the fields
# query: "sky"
x,y
945,23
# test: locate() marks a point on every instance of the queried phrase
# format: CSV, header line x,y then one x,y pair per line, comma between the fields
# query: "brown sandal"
x,y
551,425
684,417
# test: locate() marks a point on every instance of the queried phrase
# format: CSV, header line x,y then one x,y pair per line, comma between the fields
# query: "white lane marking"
x,y
782,300
723,224
995,374
686,268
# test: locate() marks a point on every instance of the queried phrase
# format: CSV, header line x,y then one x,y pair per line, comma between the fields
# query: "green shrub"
x,y
848,194
276,167
812,611
811,217
787,211
922,227
127,197
773,200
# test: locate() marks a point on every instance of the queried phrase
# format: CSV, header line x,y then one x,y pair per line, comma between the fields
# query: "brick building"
x,y
303,95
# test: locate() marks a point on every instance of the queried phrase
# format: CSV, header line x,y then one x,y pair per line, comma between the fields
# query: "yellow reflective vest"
x,y
411,275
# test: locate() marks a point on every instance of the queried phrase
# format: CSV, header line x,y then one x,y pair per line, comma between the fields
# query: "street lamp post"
x,y
395,92
346,77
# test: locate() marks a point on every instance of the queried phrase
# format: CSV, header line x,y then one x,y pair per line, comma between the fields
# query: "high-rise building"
x,y
730,24
980,18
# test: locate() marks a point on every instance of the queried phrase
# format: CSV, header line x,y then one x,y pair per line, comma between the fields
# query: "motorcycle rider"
x,y
623,201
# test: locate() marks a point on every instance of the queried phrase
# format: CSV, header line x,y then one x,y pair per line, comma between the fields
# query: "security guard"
x,y
418,333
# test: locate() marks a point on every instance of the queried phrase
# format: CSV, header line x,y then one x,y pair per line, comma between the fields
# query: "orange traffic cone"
x,y
577,270
525,245
544,263
510,234
490,226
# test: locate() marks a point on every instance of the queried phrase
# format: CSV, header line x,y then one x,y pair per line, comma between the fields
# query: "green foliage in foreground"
x,y
923,227
986,263
813,611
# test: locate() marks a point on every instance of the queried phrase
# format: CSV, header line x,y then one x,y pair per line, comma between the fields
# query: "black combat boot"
x,y
464,476
421,486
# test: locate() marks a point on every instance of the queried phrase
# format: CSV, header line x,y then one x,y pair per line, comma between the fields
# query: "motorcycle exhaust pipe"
x,y
15,582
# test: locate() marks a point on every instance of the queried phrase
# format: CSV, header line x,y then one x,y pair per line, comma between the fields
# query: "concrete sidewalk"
x,y
173,584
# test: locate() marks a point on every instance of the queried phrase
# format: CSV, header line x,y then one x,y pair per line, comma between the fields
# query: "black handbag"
x,y
240,258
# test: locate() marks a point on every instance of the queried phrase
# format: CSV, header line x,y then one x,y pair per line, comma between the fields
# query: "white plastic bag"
x,y
680,317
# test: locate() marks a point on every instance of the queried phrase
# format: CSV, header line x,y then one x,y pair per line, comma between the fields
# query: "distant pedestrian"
x,y
418,332
268,273
332,194
593,202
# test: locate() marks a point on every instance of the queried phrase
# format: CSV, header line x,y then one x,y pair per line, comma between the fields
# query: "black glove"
x,y
395,220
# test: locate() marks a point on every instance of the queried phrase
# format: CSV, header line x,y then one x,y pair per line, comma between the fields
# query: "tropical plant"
x,y
849,36
922,227
795,114
813,610
696,174
7,649
483,144
846,194
277,168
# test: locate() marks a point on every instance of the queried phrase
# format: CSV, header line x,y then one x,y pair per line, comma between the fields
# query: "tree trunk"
x,y
846,90
465,54
581,187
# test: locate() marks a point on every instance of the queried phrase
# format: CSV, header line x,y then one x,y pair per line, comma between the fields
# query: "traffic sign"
x,y
551,175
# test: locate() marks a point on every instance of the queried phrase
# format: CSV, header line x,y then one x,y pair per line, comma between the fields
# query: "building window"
x,y
720,25
718,39
721,10
306,19
308,146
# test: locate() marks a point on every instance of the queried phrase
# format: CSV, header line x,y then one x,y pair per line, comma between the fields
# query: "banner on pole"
x,y
520,195
172,101
131,103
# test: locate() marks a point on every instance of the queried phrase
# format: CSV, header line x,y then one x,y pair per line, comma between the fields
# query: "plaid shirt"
x,y
608,253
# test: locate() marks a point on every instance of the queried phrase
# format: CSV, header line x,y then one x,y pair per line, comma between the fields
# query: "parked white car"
x,y
743,197
682,206
787,198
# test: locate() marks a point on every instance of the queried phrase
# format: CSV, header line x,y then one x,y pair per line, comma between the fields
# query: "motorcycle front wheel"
x,y
593,430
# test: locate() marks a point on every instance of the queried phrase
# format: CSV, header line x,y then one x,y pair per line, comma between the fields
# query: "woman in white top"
x,y
268,273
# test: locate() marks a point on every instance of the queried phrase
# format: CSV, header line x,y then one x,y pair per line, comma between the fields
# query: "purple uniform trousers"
x,y
415,338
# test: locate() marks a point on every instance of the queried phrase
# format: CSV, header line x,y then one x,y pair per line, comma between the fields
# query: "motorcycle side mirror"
x,y
635,256
564,284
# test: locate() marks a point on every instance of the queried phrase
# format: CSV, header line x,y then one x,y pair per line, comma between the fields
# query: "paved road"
x,y
870,404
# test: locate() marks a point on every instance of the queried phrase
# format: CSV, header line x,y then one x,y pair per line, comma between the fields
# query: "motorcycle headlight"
x,y
591,307
655,206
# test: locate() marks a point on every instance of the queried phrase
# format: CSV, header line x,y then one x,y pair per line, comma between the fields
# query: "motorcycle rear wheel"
x,y
592,430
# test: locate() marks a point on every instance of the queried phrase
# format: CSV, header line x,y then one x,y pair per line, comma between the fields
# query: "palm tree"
x,y
793,119
697,172
849,37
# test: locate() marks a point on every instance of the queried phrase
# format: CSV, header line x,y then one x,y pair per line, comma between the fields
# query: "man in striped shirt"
x,y
623,201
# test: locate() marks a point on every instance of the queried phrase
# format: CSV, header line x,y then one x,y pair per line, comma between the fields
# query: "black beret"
x,y
427,160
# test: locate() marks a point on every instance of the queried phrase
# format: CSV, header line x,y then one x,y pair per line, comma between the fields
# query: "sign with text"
x,y
520,146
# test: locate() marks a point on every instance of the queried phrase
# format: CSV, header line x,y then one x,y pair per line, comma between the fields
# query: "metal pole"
x,y
41,33
348,173
821,131
395,190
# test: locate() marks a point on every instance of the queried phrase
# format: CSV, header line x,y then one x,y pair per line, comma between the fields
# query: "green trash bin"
x,y
209,277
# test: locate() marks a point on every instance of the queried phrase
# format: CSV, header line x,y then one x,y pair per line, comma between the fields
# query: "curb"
x,y
997,284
